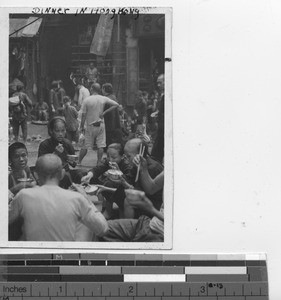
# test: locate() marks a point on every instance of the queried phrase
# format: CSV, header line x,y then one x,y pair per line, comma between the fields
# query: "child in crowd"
x,y
115,159
62,147
70,114
41,109
53,99
20,177
60,93
124,121
24,98
18,113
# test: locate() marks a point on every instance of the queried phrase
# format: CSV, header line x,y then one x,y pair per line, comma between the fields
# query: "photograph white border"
x,y
168,160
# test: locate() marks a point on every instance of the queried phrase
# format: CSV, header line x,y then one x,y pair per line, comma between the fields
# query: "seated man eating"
x,y
143,229
51,213
154,168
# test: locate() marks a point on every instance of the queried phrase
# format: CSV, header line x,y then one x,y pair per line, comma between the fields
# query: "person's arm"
x,y
91,217
136,112
75,112
83,116
148,206
143,203
80,98
144,109
82,124
113,105
28,100
14,209
150,186
52,95
103,188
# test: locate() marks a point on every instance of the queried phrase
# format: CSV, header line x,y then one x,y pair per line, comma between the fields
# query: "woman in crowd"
x,y
62,147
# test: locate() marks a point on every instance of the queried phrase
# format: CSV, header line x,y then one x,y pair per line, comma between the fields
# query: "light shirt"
x,y
51,213
83,94
93,106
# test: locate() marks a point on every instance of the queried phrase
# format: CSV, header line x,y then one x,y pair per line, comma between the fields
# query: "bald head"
x,y
132,148
49,167
95,88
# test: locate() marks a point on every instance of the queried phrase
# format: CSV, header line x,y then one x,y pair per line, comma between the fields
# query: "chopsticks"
x,y
141,152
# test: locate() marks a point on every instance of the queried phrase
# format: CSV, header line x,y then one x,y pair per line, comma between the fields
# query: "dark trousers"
x,y
16,127
114,136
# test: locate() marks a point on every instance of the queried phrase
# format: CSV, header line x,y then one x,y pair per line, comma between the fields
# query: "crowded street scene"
x,y
86,128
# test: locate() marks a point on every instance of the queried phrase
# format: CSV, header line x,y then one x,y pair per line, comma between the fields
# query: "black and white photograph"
x,y
89,149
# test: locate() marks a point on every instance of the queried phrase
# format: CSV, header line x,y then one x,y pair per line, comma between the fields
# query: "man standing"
x,y
93,114
51,213
158,148
112,119
82,94
140,109
92,73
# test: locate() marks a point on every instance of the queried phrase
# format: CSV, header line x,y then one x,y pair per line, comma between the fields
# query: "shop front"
x,y
133,57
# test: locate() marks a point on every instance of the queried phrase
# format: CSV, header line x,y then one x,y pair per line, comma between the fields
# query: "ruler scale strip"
x,y
145,276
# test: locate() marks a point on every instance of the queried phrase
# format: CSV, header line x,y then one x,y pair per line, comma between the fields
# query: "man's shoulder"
x,y
25,193
112,97
88,99
100,98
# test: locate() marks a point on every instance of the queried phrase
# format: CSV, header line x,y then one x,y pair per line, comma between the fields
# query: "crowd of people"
x,y
49,201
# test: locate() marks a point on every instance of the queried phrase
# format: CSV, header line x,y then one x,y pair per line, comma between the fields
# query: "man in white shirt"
x,y
93,115
51,213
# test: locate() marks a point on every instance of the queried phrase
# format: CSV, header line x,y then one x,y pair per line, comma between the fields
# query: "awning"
x,y
27,27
